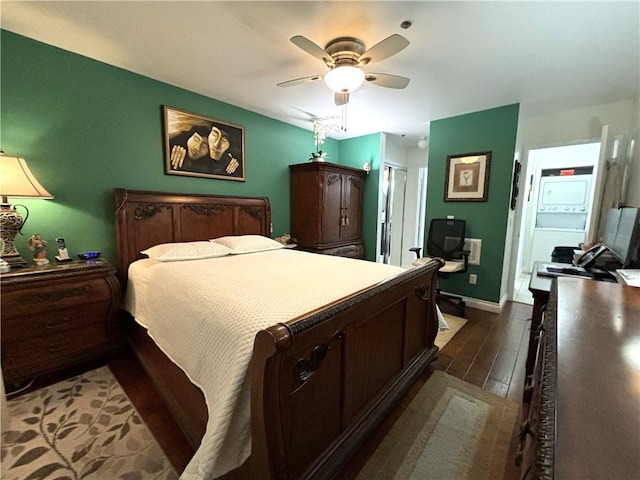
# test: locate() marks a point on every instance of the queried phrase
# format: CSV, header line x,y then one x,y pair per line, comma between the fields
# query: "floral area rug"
x,y
81,428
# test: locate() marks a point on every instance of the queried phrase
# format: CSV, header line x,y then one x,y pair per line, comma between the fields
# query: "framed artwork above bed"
x,y
200,146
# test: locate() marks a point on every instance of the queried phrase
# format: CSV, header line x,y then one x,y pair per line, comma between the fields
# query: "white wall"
x,y
570,127
415,206
396,153
396,157
633,190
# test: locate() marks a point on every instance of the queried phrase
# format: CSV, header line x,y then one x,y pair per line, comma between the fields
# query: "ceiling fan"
x,y
345,57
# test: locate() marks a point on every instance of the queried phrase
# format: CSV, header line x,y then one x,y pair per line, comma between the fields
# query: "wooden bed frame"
x,y
321,383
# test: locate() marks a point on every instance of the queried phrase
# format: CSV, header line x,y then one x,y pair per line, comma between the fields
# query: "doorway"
x,y
557,206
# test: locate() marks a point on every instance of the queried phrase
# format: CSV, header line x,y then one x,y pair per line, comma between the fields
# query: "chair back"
x,y
446,238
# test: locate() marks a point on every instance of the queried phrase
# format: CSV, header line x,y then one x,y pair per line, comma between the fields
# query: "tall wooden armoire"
x,y
326,208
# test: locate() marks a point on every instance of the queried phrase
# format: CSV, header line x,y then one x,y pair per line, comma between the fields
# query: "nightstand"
x,y
57,316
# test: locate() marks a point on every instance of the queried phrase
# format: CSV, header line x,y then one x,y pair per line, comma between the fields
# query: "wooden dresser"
x,y
57,316
326,208
584,417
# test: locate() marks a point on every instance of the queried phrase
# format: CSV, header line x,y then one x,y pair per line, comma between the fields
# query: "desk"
x,y
583,418
539,287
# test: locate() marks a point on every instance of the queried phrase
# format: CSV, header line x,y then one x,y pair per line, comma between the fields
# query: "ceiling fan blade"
x,y
387,80
312,49
384,49
298,81
341,98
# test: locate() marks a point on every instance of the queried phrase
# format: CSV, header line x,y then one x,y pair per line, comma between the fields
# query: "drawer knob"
x,y
58,347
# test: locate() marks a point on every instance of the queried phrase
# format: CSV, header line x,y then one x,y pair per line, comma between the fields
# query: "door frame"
x,y
518,231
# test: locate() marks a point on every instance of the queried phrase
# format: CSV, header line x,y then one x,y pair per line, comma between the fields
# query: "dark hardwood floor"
x,y
489,351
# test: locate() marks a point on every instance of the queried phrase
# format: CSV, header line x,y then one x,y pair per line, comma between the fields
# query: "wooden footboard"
x,y
319,383
322,383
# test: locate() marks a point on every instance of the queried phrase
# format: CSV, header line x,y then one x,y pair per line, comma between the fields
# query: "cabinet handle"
x,y
56,323
527,394
346,216
525,429
519,458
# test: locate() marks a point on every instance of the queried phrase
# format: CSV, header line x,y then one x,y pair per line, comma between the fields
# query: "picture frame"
x,y
201,146
515,191
467,177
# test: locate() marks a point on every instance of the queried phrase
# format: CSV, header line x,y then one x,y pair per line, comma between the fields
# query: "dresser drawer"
x,y
65,320
36,298
355,250
351,251
57,316
51,352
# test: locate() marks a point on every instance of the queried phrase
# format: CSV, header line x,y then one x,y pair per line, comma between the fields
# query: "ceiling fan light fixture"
x,y
344,78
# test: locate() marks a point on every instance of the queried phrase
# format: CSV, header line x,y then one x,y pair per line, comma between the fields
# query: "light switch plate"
x,y
474,245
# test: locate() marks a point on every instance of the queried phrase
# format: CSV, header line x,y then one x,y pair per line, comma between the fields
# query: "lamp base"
x,y
15,261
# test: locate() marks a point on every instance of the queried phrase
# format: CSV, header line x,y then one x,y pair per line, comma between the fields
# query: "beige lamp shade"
x,y
16,180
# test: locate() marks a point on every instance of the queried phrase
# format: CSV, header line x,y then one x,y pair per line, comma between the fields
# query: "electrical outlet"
x,y
473,278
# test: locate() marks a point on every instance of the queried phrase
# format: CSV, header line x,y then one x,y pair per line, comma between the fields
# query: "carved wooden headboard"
x,y
144,219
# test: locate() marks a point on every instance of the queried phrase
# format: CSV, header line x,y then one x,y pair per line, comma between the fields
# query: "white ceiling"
x,y
463,56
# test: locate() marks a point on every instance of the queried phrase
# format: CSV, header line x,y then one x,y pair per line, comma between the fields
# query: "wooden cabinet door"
x,y
352,207
326,208
332,217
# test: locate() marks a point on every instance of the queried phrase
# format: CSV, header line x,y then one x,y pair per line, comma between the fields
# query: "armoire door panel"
x,y
352,203
332,208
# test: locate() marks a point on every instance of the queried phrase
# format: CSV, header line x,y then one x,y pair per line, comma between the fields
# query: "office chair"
x,y
446,240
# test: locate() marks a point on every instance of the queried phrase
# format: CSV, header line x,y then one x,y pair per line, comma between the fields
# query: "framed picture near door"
x,y
467,177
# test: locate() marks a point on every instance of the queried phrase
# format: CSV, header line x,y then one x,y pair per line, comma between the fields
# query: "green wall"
x,y
489,130
354,153
86,127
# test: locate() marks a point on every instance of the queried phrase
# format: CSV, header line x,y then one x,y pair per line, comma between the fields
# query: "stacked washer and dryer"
x,y
563,209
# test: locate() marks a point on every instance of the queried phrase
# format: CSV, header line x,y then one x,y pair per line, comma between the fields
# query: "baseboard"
x,y
482,304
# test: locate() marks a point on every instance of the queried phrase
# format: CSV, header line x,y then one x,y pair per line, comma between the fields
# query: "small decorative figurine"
x,y
284,239
37,245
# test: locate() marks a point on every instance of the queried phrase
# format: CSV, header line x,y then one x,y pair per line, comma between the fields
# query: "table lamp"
x,y
16,180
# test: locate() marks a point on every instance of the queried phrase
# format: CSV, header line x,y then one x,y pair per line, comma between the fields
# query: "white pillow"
x,y
172,252
247,243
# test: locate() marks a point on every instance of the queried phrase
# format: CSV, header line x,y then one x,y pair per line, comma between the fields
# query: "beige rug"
x,y
455,324
452,430
82,428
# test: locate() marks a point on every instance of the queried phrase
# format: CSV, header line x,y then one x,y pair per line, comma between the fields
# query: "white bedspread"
x,y
204,314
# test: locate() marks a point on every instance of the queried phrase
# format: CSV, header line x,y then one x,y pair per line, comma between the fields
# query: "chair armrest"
x,y
465,256
416,250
